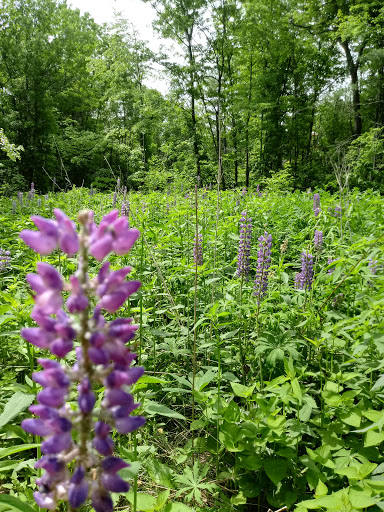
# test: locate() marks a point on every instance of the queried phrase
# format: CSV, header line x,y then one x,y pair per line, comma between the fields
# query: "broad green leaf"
x,y
15,503
275,469
321,489
373,438
145,502
242,391
239,499
15,405
351,417
154,408
360,500
160,473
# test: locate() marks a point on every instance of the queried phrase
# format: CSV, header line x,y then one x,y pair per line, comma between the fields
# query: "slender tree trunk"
x,y
353,68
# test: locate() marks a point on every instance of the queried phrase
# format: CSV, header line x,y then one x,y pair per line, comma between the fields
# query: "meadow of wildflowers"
x,y
156,358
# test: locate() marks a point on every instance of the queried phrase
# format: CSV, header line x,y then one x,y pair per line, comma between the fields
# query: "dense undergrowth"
x,y
249,405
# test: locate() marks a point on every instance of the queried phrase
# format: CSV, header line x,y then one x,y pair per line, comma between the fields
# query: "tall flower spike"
x,y
316,204
304,279
263,264
198,250
318,240
244,253
79,438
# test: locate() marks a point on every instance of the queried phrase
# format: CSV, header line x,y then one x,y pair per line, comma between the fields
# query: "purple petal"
x,y
98,356
103,445
113,464
50,275
57,443
101,247
45,500
127,425
78,493
102,501
118,397
114,483
69,243
37,337
36,427
125,241
52,397
60,347
102,429
40,243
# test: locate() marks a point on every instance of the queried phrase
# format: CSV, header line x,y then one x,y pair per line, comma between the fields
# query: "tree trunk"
x,y
353,68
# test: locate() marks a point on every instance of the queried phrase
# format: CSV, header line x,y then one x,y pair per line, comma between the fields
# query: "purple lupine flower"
x,y
243,260
113,234
20,198
244,191
39,202
125,209
263,264
338,211
76,437
373,266
318,240
329,262
114,199
316,204
60,233
198,250
337,300
5,260
91,191
304,279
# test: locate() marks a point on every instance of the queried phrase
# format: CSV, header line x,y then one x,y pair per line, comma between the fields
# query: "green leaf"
x,y
5,452
275,469
243,391
373,438
160,473
321,489
145,502
15,503
161,500
239,499
177,507
15,405
359,499
352,417
154,408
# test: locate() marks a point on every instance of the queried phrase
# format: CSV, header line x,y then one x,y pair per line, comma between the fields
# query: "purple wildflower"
x,y
244,191
337,300
5,260
244,253
318,240
20,198
373,266
316,204
304,279
263,264
338,211
329,262
125,209
72,437
60,233
198,250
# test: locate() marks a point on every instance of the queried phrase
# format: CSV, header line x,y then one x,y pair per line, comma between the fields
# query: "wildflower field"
x,y
259,325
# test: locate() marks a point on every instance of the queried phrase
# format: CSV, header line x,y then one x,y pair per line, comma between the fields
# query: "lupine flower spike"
x,y
316,204
318,241
198,250
304,279
244,253
5,260
263,264
78,449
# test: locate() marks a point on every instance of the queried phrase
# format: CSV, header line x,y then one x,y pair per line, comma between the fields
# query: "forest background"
x,y
295,87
